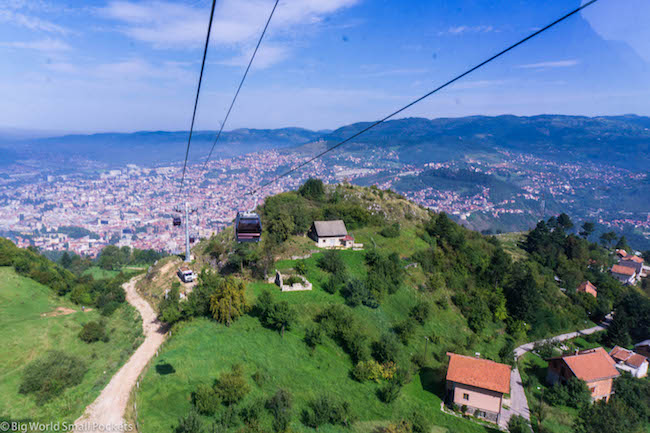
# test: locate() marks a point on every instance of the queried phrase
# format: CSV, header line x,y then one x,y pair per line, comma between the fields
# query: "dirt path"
x,y
106,413
63,311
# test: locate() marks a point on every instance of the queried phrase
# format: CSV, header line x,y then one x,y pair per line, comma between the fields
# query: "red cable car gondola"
x,y
248,227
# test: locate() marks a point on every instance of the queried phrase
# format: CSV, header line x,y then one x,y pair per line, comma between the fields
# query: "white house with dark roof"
x,y
331,234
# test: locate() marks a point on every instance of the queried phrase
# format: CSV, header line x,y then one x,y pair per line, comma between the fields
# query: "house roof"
x,y
330,228
635,259
481,373
587,287
591,365
348,238
621,253
623,270
643,343
627,356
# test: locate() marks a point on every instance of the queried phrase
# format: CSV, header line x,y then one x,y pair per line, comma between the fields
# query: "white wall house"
x,y
633,363
331,234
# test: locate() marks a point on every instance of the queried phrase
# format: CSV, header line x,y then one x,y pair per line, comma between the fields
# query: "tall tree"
x,y
228,303
607,238
587,229
564,221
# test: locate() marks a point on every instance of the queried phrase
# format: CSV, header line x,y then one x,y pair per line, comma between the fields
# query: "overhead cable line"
x,y
421,98
198,91
241,83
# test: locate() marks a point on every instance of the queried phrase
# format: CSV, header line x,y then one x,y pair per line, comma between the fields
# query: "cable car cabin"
x,y
248,227
177,221
192,239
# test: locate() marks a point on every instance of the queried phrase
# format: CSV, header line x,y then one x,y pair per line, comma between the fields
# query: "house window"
x,y
465,396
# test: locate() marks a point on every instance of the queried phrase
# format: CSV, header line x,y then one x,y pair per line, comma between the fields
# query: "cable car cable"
x,y
198,91
241,83
421,98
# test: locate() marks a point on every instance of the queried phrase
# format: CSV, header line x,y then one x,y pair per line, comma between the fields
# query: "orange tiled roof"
x,y
587,287
624,270
481,373
627,356
636,259
592,364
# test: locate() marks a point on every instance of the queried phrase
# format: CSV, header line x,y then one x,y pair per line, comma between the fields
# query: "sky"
x,y
126,65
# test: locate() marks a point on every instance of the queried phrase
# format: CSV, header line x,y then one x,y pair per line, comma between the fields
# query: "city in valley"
x,y
134,205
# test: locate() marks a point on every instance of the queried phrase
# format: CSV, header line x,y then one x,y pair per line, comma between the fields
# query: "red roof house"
x,y
478,384
587,287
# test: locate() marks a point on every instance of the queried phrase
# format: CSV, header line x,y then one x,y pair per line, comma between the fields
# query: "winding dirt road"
x,y
106,413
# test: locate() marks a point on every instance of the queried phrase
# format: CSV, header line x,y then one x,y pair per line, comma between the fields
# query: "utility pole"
x,y
187,232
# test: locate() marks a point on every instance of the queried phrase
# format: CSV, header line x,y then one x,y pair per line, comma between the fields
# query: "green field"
x,y
26,334
199,350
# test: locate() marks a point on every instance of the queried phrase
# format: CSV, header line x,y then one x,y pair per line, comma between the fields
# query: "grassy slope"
x,y
26,335
199,351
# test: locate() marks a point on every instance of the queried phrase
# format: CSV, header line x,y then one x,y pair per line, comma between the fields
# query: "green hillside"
x,y
369,341
34,320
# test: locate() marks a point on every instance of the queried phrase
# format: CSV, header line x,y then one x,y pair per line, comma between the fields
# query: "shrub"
x,y
301,267
313,336
280,407
389,392
93,331
251,414
518,424
574,394
49,376
206,400
387,349
405,330
189,424
294,279
340,324
421,312
327,410
331,261
391,231
260,377
372,370
231,386
403,426
312,189
356,293
420,422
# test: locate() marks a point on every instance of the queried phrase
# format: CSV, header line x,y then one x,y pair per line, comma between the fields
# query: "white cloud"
x,y
30,22
551,64
44,45
458,30
269,56
237,23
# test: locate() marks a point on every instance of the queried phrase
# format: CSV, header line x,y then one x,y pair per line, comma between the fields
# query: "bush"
x,y
260,377
518,424
280,407
420,422
49,376
189,424
372,370
574,394
294,279
251,414
312,189
327,410
421,312
340,324
389,392
331,261
313,336
356,293
206,400
387,349
231,386
391,231
405,330
93,331
301,267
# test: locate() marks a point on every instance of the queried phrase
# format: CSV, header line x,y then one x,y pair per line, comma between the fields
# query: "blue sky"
x,y
133,65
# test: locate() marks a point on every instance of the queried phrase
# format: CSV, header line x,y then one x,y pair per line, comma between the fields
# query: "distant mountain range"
x,y
623,141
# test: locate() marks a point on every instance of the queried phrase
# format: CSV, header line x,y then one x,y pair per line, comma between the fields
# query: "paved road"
x,y
518,403
106,413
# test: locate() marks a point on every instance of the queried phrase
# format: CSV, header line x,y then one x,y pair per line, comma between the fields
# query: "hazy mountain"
x,y
620,140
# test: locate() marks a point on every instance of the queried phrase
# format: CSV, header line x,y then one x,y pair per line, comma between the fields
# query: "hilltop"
x,y
371,336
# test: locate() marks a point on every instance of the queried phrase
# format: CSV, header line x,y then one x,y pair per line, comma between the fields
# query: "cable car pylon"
x,y
187,211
